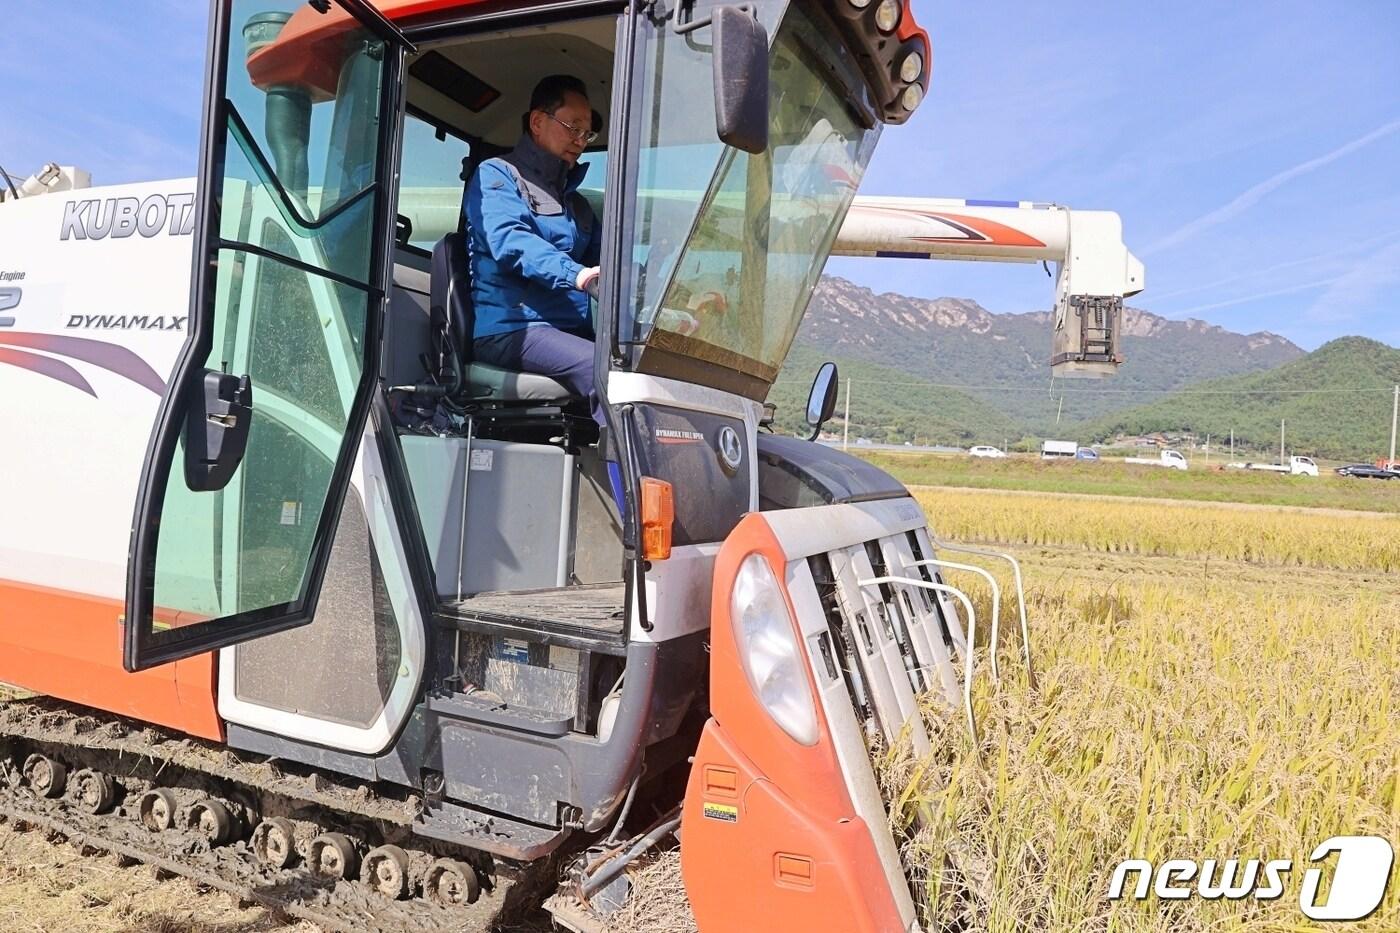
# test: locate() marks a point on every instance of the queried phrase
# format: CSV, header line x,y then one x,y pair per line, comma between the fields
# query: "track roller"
x,y
333,855
211,819
93,792
274,843
45,776
386,871
156,810
451,883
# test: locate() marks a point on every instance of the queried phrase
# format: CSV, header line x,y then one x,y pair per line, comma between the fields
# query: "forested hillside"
x,y
1336,402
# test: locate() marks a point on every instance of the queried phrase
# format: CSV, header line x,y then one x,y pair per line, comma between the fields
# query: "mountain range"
x,y
946,370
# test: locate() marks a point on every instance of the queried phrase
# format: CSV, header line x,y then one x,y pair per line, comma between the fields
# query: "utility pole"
x,y
1394,411
1281,423
1207,448
846,434
1232,445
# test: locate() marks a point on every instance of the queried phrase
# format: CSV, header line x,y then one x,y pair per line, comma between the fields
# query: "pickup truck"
x,y
1296,466
1171,459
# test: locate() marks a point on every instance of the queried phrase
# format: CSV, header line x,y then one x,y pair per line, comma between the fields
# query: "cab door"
x,y
255,438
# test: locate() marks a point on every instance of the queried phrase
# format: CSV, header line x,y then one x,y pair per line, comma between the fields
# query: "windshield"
x,y
734,243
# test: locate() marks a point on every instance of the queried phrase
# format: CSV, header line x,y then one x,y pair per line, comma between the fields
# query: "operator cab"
x,y
523,533
493,619
544,517
464,101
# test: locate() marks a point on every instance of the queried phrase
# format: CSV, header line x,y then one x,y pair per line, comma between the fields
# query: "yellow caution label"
x,y
721,811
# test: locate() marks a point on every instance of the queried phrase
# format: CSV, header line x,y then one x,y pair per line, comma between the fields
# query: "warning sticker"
x,y
513,649
482,460
291,513
721,811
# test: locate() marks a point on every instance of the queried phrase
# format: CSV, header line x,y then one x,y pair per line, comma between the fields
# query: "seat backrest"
x,y
451,300
451,294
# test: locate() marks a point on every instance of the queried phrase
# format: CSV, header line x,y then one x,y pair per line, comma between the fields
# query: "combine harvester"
x,y
377,647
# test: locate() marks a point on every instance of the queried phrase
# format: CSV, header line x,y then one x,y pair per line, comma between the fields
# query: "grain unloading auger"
x,y
395,653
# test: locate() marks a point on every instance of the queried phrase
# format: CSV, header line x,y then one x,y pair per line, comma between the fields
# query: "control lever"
x,y
216,430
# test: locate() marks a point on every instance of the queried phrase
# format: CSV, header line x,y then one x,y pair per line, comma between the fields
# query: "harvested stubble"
x,y
1238,714
657,902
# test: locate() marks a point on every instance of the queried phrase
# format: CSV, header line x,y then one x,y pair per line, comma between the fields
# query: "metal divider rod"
x,y
970,663
996,601
1020,591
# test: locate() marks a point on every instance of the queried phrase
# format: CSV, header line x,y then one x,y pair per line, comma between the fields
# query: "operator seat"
x,y
451,292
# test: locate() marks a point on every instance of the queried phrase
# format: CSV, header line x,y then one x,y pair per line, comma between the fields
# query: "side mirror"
x,y
740,62
822,400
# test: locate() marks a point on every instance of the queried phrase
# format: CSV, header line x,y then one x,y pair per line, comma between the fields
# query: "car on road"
x,y
1086,453
1367,471
986,450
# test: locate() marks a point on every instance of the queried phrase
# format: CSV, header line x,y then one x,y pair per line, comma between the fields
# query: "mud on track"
x,y
46,887
140,758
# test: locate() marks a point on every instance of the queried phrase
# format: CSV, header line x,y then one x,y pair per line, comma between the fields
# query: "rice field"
x,y
1281,537
1214,683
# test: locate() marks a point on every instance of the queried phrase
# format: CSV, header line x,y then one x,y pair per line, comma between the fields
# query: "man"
x,y
533,244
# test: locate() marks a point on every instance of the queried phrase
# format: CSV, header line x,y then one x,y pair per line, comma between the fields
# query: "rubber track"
x,y
44,720
359,915
348,906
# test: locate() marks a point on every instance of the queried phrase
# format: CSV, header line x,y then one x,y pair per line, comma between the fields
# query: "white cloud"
x,y
1353,293
1247,299
1315,259
1255,194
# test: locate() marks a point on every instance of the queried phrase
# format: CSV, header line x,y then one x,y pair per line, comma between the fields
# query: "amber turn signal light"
x,y
658,514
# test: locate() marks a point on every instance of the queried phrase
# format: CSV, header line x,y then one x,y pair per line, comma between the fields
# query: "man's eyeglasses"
x,y
584,136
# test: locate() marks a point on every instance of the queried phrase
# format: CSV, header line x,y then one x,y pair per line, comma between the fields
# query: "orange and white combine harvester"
x,y
357,627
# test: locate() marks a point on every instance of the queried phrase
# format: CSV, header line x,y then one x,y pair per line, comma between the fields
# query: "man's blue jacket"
x,y
529,235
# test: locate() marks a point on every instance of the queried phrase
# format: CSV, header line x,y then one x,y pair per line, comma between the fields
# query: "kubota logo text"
x,y
97,219
1358,880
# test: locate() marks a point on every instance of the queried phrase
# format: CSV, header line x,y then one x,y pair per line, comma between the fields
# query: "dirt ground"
x,y
47,887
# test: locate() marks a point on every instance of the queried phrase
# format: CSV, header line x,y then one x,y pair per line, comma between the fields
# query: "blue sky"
x,y
1252,149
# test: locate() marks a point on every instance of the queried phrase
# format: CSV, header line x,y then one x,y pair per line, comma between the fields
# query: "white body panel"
x,y
1087,245
1052,450
103,290
99,322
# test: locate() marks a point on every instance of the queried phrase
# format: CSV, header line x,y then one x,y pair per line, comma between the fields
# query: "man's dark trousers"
x,y
564,356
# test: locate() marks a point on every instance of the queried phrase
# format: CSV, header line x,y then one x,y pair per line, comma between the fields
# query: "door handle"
x,y
216,430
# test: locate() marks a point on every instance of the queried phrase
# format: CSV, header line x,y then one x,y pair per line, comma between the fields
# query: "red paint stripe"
x,y
47,366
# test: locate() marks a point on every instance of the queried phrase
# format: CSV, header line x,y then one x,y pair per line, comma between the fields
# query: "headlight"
x,y
912,97
911,67
860,4
887,15
766,636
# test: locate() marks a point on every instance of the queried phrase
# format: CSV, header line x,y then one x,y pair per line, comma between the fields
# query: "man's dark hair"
x,y
548,95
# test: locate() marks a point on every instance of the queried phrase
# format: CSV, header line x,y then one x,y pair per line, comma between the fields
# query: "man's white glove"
x,y
587,280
